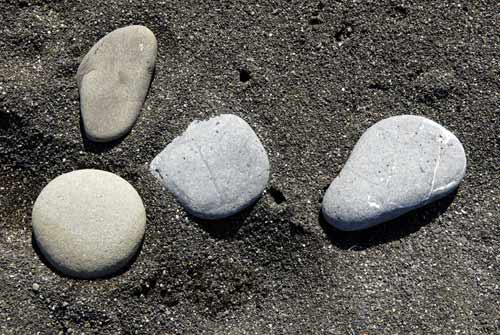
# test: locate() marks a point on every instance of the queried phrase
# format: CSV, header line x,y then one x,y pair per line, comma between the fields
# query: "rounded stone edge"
x,y
83,70
109,272
197,214
350,226
114,136
83,67
356,225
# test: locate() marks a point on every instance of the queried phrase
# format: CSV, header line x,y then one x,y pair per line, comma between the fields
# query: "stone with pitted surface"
x,y
215,168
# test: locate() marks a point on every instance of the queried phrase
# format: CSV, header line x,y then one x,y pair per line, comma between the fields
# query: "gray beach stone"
x,y
114,79
215,168
399,164
88,223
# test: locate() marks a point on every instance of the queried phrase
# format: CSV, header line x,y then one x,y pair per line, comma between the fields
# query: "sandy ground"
x,y
309,77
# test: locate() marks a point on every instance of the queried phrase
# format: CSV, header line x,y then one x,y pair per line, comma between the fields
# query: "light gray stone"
x,y
88,223
399,164
114,79
215,168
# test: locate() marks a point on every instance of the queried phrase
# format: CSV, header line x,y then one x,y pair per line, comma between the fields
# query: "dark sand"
x,y
310,77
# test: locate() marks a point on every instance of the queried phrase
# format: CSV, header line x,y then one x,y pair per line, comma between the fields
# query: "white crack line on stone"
x,y
373,204
443,140
434,174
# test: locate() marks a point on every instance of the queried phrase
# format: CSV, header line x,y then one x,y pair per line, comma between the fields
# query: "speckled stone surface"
x,y
399,164
215,168
114,79
88,223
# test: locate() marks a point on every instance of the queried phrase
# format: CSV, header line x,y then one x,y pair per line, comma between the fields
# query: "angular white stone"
x,y
399,164
114,79
88,223
215,168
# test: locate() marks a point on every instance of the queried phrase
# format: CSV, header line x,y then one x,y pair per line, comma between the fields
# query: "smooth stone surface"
x,y
88,223
399,164
114,79
216,168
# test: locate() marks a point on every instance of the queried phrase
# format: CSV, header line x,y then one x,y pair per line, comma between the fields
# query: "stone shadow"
x,y
98,147
227,228
392,230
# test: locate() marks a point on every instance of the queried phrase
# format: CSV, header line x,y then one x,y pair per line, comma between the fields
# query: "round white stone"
x,y
216,168
399,164
88,223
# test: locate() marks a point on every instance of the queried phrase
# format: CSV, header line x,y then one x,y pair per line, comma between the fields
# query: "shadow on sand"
x,y
226,228
97,147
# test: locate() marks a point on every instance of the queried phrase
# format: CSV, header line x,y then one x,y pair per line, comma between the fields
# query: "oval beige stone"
x,y
114,79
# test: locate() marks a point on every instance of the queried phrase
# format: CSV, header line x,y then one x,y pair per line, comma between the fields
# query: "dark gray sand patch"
x,y
309,99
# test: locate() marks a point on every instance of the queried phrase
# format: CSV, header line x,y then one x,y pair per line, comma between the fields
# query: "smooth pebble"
x,y
216,168
114,79
88,223
399,164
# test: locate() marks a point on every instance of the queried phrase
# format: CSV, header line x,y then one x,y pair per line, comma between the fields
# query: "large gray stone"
x,y
399,164
114,79
88,223
215,168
